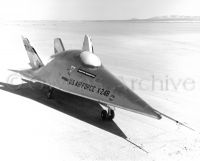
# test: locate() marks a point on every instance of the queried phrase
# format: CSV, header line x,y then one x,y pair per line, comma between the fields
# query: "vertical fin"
x,y
35,61
58,46
87,44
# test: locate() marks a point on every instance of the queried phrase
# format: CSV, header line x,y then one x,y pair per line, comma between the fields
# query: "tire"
x,y
104,114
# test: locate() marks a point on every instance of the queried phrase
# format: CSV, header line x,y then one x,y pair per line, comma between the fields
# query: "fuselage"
x,y
67,72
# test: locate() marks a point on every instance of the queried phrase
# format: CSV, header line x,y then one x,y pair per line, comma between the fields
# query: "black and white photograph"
x,y
91,80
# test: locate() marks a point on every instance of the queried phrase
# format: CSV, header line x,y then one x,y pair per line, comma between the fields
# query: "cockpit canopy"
x,y
90,59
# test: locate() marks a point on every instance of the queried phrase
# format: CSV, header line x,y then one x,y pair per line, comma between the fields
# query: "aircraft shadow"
x,y
77,107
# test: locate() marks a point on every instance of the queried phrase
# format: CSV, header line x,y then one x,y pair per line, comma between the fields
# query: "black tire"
x,y
112,115
104,114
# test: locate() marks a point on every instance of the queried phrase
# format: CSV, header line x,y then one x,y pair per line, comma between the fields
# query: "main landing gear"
x,y
50,93
109,115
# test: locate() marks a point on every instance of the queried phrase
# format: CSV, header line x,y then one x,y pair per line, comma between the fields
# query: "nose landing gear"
x,y
109,115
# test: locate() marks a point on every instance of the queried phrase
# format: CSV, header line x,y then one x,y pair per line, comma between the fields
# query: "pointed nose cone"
x,y
130,101
125,98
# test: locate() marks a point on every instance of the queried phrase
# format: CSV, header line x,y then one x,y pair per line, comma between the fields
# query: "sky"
x,y
94,9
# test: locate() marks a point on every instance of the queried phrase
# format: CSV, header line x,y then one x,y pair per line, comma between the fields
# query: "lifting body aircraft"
x,y
81,72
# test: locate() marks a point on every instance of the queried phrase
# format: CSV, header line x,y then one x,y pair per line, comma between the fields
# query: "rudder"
x,y
87,44
58,46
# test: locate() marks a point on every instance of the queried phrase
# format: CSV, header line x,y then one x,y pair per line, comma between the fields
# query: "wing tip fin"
x,y
35,61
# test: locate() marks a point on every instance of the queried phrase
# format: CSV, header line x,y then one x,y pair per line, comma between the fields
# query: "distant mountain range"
x,y
171,18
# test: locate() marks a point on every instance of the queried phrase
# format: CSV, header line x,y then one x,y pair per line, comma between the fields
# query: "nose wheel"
x,y
107,115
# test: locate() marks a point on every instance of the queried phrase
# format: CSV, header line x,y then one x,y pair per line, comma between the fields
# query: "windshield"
x,y
90,59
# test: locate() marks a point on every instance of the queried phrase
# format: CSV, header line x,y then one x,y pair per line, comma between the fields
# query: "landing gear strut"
x,y
50,93
111,114
104,114
108,115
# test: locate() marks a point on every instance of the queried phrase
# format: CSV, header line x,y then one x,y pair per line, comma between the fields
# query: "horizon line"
x,y
130,19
